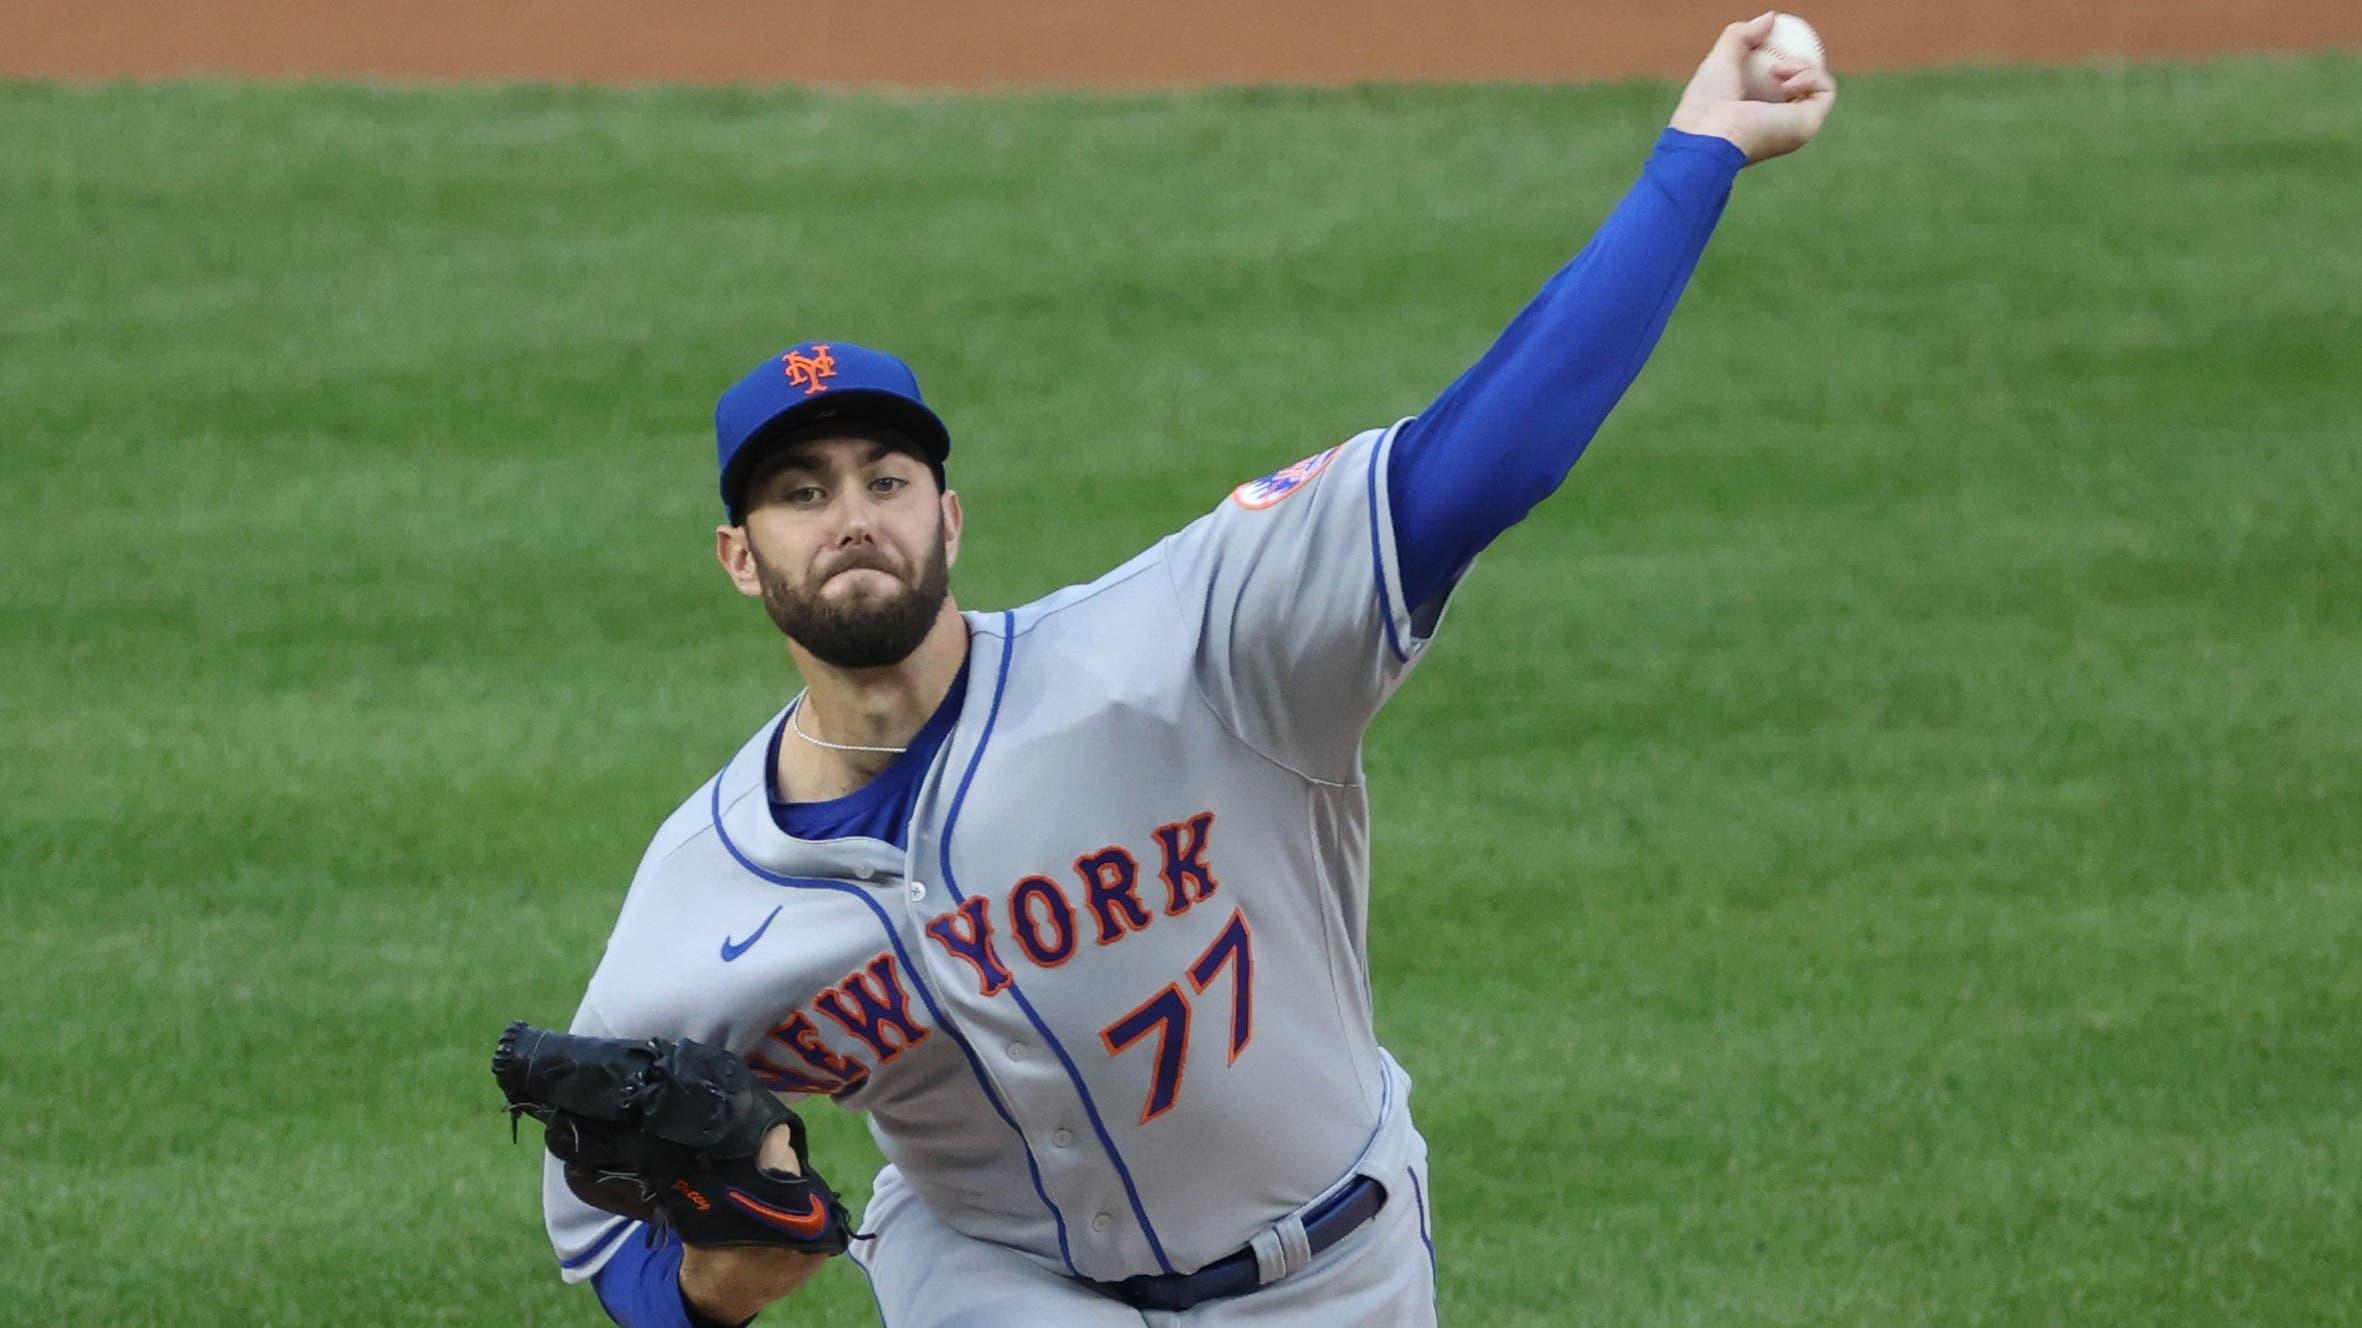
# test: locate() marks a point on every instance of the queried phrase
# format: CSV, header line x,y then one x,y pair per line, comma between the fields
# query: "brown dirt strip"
x,y
1085,43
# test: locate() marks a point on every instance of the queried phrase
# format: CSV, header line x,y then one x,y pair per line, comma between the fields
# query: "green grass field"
x,y
1883,846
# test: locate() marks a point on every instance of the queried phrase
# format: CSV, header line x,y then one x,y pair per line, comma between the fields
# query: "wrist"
x,y
1705,124
709,1305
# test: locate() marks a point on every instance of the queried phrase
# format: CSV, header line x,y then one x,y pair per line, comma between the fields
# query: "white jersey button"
x,y
1102,1222
918,891
1063,1138
1016,1051
865,871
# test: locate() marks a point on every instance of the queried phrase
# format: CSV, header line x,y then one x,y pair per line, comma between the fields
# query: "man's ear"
x,y
736,554
953,517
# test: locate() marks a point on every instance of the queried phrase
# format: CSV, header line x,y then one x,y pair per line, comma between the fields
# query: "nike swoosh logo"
x,y
732,949
810,1222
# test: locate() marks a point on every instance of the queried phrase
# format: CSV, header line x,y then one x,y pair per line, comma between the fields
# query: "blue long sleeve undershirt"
x,y
641,1287
1504,435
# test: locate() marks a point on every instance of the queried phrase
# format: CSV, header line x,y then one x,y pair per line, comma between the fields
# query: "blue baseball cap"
x,y
812,382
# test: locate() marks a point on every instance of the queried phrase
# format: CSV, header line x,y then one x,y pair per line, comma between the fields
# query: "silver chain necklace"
x,y
832,746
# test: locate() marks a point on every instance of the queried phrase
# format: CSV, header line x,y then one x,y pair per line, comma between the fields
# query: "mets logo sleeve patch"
x,y
1255,495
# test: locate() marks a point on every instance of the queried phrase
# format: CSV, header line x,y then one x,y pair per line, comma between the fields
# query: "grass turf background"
x,y
1882,846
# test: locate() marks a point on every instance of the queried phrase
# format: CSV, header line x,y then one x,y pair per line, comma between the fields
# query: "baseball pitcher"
x,y
1071,900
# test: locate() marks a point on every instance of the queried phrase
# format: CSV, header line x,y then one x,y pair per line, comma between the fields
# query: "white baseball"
x,y
1792,41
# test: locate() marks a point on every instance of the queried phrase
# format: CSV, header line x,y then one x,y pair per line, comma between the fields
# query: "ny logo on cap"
x,y
807,371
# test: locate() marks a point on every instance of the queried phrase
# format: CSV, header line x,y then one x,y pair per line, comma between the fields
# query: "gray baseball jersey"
x,y
1110,1008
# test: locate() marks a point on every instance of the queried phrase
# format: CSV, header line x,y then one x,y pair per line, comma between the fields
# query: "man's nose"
x,y
857,522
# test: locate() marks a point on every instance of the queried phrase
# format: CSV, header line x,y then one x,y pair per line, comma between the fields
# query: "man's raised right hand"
x,y
1716,103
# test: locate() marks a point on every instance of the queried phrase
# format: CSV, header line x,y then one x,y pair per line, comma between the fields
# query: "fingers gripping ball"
x,y
1792,45
670,1132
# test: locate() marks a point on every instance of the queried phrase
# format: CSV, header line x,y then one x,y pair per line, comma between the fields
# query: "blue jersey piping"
x,y
1074,1075
894,938
1378,552
1385,1109
1419,1196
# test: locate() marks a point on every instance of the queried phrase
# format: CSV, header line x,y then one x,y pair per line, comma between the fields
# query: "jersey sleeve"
x,y
585,1237
1296,589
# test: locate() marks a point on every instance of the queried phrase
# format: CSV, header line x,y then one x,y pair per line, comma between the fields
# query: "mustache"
x,y
862,561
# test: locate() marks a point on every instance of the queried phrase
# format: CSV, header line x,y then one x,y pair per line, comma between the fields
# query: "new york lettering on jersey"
x,y
835,1042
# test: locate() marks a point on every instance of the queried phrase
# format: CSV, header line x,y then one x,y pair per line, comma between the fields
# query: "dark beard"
x,y
865,634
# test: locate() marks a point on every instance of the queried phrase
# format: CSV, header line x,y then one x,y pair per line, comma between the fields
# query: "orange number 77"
x,y
1166,1014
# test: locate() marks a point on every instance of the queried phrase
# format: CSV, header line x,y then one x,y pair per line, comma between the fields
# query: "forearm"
x,y
1504,436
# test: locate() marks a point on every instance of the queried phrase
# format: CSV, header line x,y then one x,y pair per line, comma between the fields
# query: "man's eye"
x,y
804,493
887,483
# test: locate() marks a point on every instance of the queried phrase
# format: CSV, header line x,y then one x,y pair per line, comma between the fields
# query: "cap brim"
x,y
854,406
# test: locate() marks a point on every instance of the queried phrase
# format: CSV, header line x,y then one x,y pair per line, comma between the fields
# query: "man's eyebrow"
x,y
877,452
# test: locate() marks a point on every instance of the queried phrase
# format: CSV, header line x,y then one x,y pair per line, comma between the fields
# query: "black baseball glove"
x,y
669,1132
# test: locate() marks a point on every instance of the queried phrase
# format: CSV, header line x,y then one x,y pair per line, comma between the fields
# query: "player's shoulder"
x,y
1316,489
1077,606
688,823
1144,586
687,881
